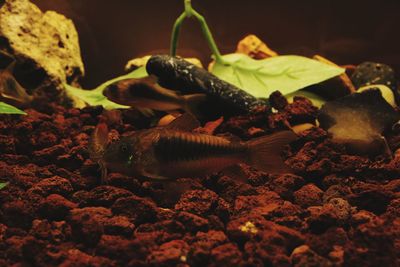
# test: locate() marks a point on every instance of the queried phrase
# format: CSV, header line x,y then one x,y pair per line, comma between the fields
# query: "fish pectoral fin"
x,y
186,122
236,173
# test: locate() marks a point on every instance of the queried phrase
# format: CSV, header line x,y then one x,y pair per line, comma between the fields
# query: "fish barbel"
x,y
163,153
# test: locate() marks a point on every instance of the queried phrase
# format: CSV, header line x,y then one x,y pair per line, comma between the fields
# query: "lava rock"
x,y
202,245
369,73
119,225
106,195
226,255
87,224
308,195
137,209
198,202
169,254
304,256
55,207
53,185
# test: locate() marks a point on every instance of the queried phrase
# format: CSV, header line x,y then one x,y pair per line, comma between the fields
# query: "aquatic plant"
x,y
8,109
2,185
95,97
288,73
258,77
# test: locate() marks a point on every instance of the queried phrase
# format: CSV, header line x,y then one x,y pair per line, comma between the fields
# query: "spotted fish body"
x,y
167,153
177,73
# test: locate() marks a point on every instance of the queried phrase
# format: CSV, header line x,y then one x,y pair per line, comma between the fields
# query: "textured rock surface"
x,y
48,40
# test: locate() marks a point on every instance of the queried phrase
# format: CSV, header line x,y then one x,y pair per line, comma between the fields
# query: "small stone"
x,y
53,185
304,256
55,207
227,255
169,254
370,73
119,225
105,195
192,222
137,209
87,224
278,101
199,202
308,195
75,257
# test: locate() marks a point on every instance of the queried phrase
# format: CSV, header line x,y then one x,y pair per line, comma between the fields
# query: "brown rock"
x,y
75,257
304,256
308,195
55,207
198,202
119,225
53,185
169,254
226,255
105,195
137,209
119,248
192,222
87,223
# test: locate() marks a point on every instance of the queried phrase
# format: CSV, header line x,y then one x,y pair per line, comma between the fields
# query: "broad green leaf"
x,y
8,109
284,73
95,97
2,185
315,99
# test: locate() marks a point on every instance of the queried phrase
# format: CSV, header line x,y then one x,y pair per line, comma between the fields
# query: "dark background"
x,y
347,32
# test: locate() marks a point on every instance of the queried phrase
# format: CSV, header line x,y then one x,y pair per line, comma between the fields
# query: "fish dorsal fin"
x,y
10,68
186,122
230,137
98,141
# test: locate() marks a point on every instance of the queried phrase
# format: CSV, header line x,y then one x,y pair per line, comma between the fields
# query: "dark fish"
x,y
146,93
165,153
178,74
11,91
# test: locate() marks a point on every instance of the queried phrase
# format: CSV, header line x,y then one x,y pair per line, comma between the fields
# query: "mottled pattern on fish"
x,y
176,73
179,146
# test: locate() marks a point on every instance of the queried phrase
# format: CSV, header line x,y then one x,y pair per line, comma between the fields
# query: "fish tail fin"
x,y
265,152
193,102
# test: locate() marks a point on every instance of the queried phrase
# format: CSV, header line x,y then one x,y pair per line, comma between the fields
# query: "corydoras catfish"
x,y
146,93
170,152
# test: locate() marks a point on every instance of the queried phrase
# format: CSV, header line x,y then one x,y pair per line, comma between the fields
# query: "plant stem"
x,y
175,33
189,12
208,35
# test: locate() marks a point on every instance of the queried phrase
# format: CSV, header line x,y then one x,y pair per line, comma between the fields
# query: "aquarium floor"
x,y
337,210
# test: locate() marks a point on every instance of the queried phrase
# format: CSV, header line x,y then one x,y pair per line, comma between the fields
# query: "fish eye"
x,y
396,127
124,148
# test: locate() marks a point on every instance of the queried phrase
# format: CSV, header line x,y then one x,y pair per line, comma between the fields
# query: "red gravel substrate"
x,y
337,210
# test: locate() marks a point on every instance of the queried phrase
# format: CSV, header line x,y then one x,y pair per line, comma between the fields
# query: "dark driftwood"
x,y
178,74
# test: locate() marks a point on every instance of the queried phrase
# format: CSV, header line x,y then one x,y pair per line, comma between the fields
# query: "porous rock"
x,y
47,39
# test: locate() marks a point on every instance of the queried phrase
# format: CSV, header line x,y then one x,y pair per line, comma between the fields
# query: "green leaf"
x,y
284,73
315,99
95,97
2,185
8,109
